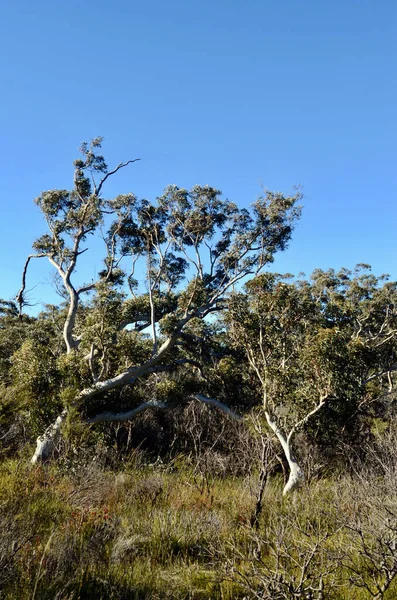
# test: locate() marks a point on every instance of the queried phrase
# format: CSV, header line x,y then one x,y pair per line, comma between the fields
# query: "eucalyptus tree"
x,y
184,252
313,343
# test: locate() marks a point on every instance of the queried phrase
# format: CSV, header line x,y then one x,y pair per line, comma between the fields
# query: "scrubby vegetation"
x,y
196,437
107,524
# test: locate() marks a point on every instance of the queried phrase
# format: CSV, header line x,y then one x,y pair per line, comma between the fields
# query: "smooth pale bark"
x,y
126,415
218,404
152,365
296,474
70,323
47,442
131,375
130,414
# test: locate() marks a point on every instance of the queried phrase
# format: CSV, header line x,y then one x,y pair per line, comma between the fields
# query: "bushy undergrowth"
x,y
166,531
167,507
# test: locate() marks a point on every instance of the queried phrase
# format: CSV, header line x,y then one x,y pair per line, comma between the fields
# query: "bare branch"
x,y
124,416
218,404
20,296
86,288
120,166
134,372
379,374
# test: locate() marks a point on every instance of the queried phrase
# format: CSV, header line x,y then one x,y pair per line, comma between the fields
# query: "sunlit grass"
x,y
152,533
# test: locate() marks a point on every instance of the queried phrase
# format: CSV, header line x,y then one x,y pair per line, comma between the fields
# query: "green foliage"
x,y
13,332
36,381
196,294
309,343
318,354
178,256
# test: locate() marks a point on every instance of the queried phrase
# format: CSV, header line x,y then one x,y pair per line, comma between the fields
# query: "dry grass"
x,y
153,532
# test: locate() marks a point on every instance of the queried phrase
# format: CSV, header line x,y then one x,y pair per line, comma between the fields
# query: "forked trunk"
x,y
296,474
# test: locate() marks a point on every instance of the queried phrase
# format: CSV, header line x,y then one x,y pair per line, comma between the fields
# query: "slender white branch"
x,y
223,288
126,415
379,374
390,335
306,418
218,404
296,474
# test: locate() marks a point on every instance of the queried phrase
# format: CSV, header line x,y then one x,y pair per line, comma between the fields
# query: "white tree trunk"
x,y
47,441
45,444
70,322
296,474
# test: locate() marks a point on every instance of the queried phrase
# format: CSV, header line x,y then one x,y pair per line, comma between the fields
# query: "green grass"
x,y
148,534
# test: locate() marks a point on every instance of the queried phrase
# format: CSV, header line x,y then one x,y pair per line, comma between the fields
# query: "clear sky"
x,y
231,93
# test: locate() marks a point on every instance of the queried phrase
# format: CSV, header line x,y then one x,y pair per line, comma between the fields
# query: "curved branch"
x,y
296,474
129,414
134,372
218,404
124,416
133,320
120,166
131,374
306,418
379,374
20,296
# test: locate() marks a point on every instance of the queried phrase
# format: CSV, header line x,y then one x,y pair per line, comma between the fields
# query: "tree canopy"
x,y
184,252
185,307
317,343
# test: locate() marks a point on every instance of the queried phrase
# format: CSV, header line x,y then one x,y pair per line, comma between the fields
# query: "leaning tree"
x,y
167,265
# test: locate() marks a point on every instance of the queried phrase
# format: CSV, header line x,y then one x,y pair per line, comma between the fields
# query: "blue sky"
x,y
230,93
